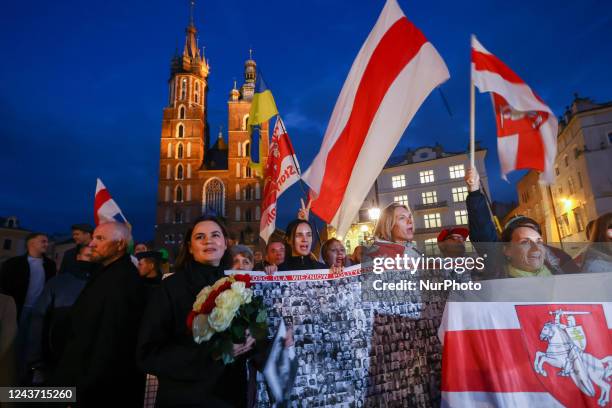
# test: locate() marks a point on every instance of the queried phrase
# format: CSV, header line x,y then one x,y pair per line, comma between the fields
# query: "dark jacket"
x,y
69,261
50,318
99,357
187,373
15,278
298,263
483,232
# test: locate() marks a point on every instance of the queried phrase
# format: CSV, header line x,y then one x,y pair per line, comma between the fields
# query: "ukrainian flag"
x,y
263,106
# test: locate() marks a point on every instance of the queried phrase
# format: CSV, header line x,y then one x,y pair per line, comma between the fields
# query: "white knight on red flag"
x,y
281,171
393,73
526,126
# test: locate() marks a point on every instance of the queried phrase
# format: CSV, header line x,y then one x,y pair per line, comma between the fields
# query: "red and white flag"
x,y
281,171
526,126
105,208
392,75
529,354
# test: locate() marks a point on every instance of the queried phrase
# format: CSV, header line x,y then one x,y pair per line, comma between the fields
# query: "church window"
x,y
179,172
196,97
214,197
184,89
245,119
248,215
237,213
179,151
179,194
180,130
178,217
248,171
248,192
182,112
247,149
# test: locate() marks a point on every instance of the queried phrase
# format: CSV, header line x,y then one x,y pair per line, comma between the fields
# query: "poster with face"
x,y
356,353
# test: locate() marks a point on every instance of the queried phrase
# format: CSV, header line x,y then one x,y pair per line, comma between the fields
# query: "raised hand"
x,y
472,179
304,211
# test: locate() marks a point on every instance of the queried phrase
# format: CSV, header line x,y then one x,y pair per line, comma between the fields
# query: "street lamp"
x,y
374,213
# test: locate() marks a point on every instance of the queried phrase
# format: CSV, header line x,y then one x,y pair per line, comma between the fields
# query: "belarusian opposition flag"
x,y
105,208
281,171
530,354
526,126
392,75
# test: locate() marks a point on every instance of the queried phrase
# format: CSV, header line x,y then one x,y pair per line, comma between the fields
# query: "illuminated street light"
x,y
374,213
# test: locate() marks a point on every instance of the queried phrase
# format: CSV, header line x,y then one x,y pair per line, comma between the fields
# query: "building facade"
x,y
12,238
582,190
194,177
431,182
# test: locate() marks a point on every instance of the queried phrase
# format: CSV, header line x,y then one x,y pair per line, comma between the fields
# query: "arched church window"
x,y
247,149
214,197
179,194
180,131
184,89
182,112
179,151
179,172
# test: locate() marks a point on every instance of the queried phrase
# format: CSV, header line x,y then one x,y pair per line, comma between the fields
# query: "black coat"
x,y
188,375
298,263
100,354
15,278
69,261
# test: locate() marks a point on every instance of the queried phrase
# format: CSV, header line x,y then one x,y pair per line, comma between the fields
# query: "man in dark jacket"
x,y
23,277
50,317
81,234
99,357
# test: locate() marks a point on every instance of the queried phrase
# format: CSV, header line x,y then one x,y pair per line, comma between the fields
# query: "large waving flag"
x,y
281,172
392,75
262,109
526,126
105,208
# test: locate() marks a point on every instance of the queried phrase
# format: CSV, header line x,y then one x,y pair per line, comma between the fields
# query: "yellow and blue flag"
x,y
263,106
262,109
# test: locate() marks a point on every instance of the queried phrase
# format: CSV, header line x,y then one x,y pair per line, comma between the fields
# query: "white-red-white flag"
x,y
392,75
526,126
281,171
105,208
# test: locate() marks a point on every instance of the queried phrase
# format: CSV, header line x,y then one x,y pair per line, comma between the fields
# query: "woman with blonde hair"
x,y
395,226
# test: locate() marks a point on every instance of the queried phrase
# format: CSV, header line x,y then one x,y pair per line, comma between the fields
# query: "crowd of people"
x,y
111,313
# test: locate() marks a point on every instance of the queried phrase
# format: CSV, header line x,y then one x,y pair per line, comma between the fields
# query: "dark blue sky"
x,y
83,84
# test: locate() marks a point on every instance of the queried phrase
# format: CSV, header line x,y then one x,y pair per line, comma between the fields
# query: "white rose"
x,y
243,291
229,299
220,318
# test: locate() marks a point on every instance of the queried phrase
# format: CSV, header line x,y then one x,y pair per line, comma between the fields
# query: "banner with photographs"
x,y
350,352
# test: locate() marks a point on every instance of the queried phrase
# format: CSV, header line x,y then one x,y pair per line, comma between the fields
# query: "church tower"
x,y
184,138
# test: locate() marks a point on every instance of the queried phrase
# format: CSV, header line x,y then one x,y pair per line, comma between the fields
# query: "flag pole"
x,y
554,210
472,111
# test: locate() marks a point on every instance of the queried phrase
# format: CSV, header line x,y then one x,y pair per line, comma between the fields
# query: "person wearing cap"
x,y
149,267
524,249
451,241
81,234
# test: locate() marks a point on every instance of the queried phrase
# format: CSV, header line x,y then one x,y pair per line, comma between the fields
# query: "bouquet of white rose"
x,y
222,314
